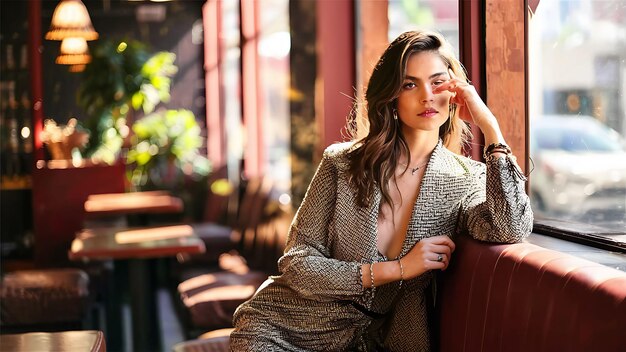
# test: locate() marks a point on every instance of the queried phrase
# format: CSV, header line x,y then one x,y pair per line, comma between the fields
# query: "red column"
x,y
211,17
336,68
252,109
36,80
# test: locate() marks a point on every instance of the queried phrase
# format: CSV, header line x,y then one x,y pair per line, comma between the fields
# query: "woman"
x,y
380,211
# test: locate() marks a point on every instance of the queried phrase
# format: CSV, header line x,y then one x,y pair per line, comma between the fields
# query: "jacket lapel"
x,y
445,182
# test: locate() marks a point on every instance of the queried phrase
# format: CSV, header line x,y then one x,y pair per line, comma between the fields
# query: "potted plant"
x,y
123,85
122,77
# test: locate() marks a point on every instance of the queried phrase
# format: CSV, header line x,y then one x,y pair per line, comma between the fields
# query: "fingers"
x,y
435,261
454,85
440,240
430,253
438,251
441,249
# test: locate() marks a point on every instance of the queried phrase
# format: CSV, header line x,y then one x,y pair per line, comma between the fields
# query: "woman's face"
x,y
418,108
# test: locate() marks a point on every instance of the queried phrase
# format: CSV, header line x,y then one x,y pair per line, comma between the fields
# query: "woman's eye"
x,y
408,85
438,82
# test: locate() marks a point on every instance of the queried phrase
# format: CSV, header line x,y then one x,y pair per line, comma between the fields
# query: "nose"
x,y
426,94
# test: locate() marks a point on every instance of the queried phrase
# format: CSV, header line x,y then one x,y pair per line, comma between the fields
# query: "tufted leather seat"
x,y
50,296
209,299
522,297
213,341
86,340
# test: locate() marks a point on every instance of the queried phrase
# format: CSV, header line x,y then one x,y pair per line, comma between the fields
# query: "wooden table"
x,y
137,204
86,340
137,247
135,243
132,203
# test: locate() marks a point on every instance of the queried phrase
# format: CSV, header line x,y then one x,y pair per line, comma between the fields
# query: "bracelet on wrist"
x,y
496,147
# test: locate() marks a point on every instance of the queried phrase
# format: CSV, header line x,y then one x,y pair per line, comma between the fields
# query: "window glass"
x,y
231,86
577,80
273,49
439,15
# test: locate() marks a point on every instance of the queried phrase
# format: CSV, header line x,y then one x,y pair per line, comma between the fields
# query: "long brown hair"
x,y
379,139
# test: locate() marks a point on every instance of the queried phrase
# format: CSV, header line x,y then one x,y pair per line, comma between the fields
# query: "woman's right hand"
x,y
425,254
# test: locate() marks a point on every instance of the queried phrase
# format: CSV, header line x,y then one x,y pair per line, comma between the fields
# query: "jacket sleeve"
x,y
307,265
497,208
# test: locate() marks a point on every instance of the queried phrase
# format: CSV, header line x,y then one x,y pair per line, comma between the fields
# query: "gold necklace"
x,y
414,169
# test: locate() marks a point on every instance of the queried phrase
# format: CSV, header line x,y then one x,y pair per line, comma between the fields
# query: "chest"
x,y
393,218
430,209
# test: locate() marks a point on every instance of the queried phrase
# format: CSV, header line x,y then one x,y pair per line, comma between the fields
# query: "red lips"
x,y
428,113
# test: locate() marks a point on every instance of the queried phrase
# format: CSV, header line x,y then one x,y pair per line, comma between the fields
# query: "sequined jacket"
x,y
316,303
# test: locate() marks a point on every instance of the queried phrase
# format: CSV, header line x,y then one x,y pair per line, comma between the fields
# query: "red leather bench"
x,y
522,297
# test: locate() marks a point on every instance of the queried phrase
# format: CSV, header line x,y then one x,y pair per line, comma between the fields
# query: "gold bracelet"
x,y
372,275
401,274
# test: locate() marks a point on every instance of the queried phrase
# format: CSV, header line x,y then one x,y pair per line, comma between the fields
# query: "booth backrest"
x,y
522,297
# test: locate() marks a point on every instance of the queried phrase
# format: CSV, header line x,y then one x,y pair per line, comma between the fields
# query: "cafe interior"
x,y
155,152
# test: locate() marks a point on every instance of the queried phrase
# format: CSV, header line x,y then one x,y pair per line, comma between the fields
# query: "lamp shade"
x,y
76,68
71,19
74,51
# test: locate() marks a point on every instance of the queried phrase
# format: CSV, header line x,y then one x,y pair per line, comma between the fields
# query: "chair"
x,y
211,299
221,238
213,341
46,299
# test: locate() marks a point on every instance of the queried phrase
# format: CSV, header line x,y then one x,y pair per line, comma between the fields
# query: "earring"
x,y
395,114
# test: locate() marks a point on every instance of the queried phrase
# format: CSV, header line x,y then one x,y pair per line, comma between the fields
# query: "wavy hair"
x,y
379,138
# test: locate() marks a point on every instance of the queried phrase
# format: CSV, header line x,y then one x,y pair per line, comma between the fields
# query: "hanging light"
x,y
74,51
71,19
76,68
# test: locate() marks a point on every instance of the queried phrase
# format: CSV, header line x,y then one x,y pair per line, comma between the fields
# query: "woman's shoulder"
x,y
339,149
337,154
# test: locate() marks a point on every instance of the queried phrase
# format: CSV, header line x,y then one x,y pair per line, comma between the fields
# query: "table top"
x,y
85,340
132,203
146,242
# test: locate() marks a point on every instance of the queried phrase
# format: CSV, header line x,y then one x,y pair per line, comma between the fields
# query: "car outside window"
x,y
577,114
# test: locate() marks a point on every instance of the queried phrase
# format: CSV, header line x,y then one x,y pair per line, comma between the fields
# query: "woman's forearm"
x,y
384,273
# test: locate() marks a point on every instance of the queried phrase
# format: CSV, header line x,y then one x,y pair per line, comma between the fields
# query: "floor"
x,y
170,327
171,330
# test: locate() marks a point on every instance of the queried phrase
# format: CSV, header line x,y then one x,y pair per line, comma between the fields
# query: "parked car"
x,y
579,169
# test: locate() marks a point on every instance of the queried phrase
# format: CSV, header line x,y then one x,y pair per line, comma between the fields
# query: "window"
x,y
231,86
439,15
273,51
577,81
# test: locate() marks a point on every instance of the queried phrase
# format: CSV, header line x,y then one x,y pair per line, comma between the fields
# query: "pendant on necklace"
x,y
414,170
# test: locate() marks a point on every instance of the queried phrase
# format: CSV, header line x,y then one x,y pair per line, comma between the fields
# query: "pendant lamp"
x,y
74,51
71,19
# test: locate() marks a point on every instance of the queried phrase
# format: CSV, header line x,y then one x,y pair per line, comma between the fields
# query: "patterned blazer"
x,y
318,303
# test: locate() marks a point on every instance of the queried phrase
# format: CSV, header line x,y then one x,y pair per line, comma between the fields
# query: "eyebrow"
x,y
430,77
